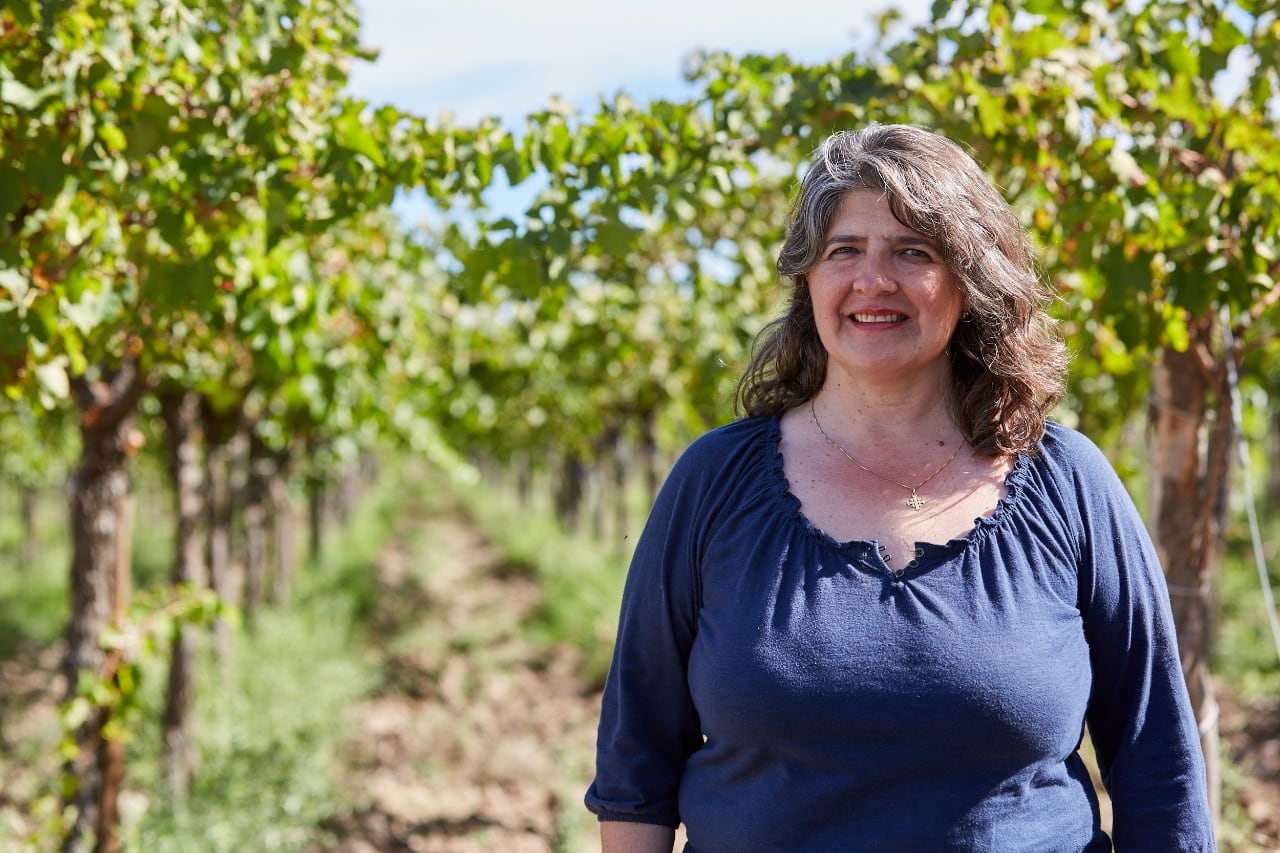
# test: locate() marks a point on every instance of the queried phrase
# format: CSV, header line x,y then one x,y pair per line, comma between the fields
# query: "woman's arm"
x,y
618,836
1140,718
649,725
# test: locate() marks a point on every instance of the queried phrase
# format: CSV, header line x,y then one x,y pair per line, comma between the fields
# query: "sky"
x,y
508,58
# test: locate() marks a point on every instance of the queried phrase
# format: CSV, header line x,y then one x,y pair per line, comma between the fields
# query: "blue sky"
x,y
509,57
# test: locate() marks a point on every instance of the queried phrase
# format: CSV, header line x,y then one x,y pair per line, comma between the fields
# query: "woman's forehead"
x,y
870,210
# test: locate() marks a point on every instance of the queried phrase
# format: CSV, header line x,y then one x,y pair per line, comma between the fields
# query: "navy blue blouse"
x,y
774,689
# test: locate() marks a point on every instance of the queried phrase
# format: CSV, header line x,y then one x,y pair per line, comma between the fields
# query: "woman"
x,y
877,613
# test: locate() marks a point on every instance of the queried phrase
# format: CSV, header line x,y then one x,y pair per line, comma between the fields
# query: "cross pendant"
x,y
915,501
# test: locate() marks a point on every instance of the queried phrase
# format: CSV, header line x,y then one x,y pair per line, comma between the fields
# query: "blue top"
x,y
774,689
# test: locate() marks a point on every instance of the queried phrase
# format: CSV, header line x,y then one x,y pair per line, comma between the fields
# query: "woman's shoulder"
x,y
732,435
1069,445
1072,454
729,449
1063,441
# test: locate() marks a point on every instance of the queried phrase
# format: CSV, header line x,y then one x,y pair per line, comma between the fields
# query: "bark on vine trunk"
x,y
1191,455
283,530
316,497
181,413
649,448
571,490
606,497
28,500
219,430
256,517
100,527
348,493
621,513
524,479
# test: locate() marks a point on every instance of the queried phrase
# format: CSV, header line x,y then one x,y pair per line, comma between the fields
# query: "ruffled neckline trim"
x,y
983,526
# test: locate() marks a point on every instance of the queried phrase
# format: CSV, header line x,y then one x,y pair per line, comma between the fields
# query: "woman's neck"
x,y
902,412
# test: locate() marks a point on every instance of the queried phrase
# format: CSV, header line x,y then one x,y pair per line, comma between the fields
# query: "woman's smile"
x,y
878,319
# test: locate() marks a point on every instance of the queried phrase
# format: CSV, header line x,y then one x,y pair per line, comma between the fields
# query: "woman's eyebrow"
x,y
911,239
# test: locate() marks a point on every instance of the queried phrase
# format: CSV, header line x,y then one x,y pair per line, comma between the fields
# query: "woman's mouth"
x,y
878,318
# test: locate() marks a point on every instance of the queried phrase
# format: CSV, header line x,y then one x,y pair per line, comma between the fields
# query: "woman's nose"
x,y
875,274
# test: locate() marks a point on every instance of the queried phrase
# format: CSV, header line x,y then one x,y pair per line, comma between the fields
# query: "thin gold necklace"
x,y
915,501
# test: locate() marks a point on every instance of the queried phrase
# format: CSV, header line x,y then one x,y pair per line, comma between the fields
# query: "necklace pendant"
x,y
915,501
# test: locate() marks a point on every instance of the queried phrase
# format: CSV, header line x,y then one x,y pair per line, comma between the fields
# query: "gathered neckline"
x,y
790,505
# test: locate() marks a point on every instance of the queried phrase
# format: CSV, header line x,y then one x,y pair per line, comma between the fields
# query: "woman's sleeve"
x,y
648,724
1140,718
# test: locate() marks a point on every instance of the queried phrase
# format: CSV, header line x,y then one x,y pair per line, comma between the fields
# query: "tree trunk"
x,y
1191,455
100,529
239,471
597,500
348,492
570,491
282,526
257,493
621,513
316,496
649,447
524,479
602,479
370,468
181,413
219,431
28,497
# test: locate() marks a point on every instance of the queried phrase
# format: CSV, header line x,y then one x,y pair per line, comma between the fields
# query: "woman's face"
x,y
884,302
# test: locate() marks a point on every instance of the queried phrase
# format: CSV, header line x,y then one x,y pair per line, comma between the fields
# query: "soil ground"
x,y
478,740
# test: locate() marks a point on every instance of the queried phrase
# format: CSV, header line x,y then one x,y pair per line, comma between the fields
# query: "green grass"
x,y
1244,651
268,731
270,723
265,751
33,596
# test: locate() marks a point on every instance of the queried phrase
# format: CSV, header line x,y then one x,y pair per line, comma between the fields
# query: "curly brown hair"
x,y
1008,361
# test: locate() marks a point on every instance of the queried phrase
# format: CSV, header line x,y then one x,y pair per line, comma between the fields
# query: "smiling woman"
x,y
878,611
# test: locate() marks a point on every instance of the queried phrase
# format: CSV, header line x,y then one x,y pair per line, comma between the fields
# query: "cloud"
x,y
508,58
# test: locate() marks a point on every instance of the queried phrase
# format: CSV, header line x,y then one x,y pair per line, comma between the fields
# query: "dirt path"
x,y
478,741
